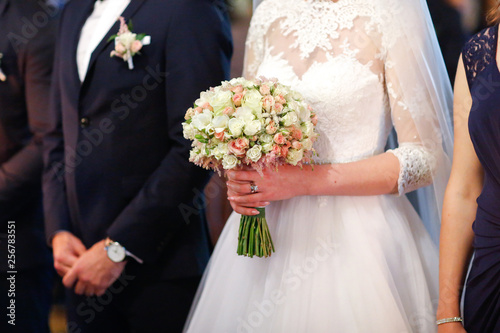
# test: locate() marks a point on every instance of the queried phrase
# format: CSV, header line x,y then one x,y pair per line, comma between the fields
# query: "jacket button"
x,y
84,122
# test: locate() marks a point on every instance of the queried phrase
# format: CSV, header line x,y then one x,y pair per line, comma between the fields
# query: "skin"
x,y
88,271
459,210
373,176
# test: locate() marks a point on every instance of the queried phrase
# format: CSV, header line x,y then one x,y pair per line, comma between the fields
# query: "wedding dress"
x,y
345,264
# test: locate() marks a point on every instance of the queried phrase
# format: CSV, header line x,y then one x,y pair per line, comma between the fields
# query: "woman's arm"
x,y
372,176
459,210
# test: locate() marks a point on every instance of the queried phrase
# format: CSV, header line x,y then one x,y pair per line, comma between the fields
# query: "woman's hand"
x,y
451,328
273,186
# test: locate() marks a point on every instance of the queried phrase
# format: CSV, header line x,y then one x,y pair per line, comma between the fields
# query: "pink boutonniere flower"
x,y
127,43
2,75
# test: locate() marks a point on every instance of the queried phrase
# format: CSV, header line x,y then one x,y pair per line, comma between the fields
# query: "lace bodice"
x,y
339,56
479,52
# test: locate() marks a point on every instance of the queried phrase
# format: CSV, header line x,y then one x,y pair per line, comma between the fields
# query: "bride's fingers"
x,y
242,176
239,187
250,200
244,210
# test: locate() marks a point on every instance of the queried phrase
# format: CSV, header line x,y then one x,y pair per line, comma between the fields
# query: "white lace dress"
x,y
342,264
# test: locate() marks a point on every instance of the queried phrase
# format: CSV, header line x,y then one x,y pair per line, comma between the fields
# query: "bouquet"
x,y
260,124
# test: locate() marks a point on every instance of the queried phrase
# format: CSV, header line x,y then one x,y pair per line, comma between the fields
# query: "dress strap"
x,y
479,52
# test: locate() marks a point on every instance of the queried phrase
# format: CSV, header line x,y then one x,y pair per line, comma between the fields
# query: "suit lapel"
x,y
127,14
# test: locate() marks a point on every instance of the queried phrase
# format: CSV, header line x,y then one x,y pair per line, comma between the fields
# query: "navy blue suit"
x,y
27,43
116,162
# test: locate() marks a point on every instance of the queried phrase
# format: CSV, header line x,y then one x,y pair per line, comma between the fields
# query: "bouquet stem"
x,y
254,238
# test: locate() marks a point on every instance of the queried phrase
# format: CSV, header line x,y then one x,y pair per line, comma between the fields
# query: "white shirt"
x,y
104,16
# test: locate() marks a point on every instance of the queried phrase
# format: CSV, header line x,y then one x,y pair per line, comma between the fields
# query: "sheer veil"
x,y
420,88
415,58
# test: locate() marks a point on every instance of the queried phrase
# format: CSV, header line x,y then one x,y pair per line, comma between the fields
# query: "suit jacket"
x,y
116,160
27,46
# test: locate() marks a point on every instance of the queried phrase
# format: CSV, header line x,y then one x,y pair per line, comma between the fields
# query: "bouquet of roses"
x,y
260,124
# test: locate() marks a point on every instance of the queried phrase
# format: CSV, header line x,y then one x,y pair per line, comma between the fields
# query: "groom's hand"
x,y
93,272
67,248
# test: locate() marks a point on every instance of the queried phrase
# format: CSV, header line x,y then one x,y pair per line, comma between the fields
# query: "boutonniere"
x,y
2,75
127,43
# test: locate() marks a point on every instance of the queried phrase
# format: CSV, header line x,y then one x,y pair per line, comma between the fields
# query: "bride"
x,y
352,254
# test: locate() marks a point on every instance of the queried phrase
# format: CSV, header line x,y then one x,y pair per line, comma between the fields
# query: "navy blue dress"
x,y
482,293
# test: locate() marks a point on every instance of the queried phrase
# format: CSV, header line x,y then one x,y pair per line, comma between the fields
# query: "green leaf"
x,y
112,38
130,25
140,36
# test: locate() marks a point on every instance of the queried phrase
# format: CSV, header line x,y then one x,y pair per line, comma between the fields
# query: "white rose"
x,y
290,118
254,153
205,97
229,162
253,100
294,156
252,127
307,129
221,100
304,113
188,131
245,114
235,126
307,144
202,120
223,148
220,123
237,81
266,138
293,105
126,39
267,147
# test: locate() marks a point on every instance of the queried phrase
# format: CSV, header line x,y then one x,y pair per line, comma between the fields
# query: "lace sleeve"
x,y
479,52
414,118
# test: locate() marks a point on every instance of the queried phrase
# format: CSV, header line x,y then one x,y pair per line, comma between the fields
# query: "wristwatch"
x,y
118,253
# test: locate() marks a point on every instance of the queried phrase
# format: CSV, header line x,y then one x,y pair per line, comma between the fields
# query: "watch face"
x,y
116,252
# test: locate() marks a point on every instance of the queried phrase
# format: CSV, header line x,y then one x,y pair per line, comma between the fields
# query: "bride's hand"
x,y
273,186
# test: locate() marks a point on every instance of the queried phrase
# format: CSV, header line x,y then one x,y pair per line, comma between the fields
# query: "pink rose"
x,y
278,107
268,103
295,133
284,151
238,146
264,89
198,110
120,48
136,46
280,99
237,99
276,150
228,111
207,105
279,139
271,128
314,120
219,136
296,145
237,89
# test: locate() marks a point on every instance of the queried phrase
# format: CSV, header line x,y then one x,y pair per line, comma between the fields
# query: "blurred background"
x,y
454,20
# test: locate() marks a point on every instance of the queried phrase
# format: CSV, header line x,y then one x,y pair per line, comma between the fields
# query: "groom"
x,y
122,202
